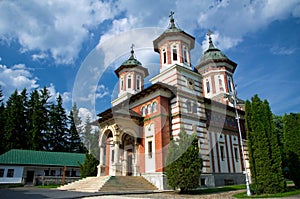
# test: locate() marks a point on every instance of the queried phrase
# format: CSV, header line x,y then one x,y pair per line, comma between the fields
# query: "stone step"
x,y
89,184
127,183
110,184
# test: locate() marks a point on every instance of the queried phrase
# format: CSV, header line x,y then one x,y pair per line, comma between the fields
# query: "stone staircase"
x,y
89,184
110,184
127,184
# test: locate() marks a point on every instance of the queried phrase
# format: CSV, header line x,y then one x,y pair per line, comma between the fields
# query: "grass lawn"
x,y
48,186
216,190
291,191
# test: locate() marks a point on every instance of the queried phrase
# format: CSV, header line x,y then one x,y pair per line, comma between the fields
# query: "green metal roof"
x,y
29,157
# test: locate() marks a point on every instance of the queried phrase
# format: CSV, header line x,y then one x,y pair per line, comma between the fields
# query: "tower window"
x,y
149,108
185,57
174,54
121,84
229,84
207,86
143,111
129,81
220,84
138,83
164,56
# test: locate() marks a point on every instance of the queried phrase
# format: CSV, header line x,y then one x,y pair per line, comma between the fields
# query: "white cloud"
x,y
66,96
16,77
277,50
55,27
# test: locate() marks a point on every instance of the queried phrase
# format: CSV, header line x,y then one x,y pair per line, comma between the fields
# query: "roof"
x,y
123,109
213,54
45,158
172,30
132,63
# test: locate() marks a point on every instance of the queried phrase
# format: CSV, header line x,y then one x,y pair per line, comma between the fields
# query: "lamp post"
x,y
233,98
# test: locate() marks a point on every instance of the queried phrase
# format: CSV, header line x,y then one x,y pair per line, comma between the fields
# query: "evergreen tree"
x,y
89,167
75,143
291,145
184,165
91,137
57,134
15,122
264,153
35,118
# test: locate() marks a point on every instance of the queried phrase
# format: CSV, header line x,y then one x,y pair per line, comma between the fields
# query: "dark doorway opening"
x,y
30,176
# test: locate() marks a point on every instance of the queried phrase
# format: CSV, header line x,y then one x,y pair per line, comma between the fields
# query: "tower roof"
x,y
214,54
172,30
131,63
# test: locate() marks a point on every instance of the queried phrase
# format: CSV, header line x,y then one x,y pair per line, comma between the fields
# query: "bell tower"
x,y
174,46
217,71
131,76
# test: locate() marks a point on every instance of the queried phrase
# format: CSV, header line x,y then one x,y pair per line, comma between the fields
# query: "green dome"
x,y
131,61
212,53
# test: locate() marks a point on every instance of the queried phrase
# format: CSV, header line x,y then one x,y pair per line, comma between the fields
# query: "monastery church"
x,y
136,130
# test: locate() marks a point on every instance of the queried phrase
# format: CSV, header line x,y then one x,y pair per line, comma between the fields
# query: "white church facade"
x,y
136,130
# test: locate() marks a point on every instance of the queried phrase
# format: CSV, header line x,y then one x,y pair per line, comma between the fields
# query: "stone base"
x,y
157,179
221,179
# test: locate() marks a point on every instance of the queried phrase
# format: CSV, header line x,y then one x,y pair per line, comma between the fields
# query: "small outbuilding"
x,y
39,167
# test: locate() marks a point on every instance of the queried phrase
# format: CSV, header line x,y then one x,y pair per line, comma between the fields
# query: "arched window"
x,y
149,108
207,86
129,81
122,84
229,82
220,84
143,111
185,55
174,51
138,83
154,107
164,56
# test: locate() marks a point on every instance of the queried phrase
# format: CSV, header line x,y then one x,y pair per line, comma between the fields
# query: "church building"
x,y
136,130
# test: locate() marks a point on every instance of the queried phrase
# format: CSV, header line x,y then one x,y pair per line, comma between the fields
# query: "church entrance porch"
x,y
118,154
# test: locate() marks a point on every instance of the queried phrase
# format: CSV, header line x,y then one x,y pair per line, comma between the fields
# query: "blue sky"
x,y
72,47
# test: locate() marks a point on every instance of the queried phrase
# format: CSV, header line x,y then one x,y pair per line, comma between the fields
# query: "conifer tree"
x,y
184,165
291,145
15,122
75,142
89,167
56,137
264,153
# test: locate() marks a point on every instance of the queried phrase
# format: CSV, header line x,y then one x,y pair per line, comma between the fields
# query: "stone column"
x,y
135,153
101,167
117,164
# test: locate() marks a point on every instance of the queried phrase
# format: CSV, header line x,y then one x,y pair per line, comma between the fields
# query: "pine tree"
x,y
75,142
57,134
184,165
264,153
15,122
89,167
35,118
91,137
291,146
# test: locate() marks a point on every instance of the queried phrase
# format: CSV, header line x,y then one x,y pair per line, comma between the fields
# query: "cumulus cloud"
x,y
55,28
16,77
277,50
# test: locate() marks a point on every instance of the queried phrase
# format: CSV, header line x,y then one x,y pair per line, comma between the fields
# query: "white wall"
x,y
17,177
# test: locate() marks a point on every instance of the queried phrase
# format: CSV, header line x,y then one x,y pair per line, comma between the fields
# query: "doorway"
x,y
129,163
30,176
